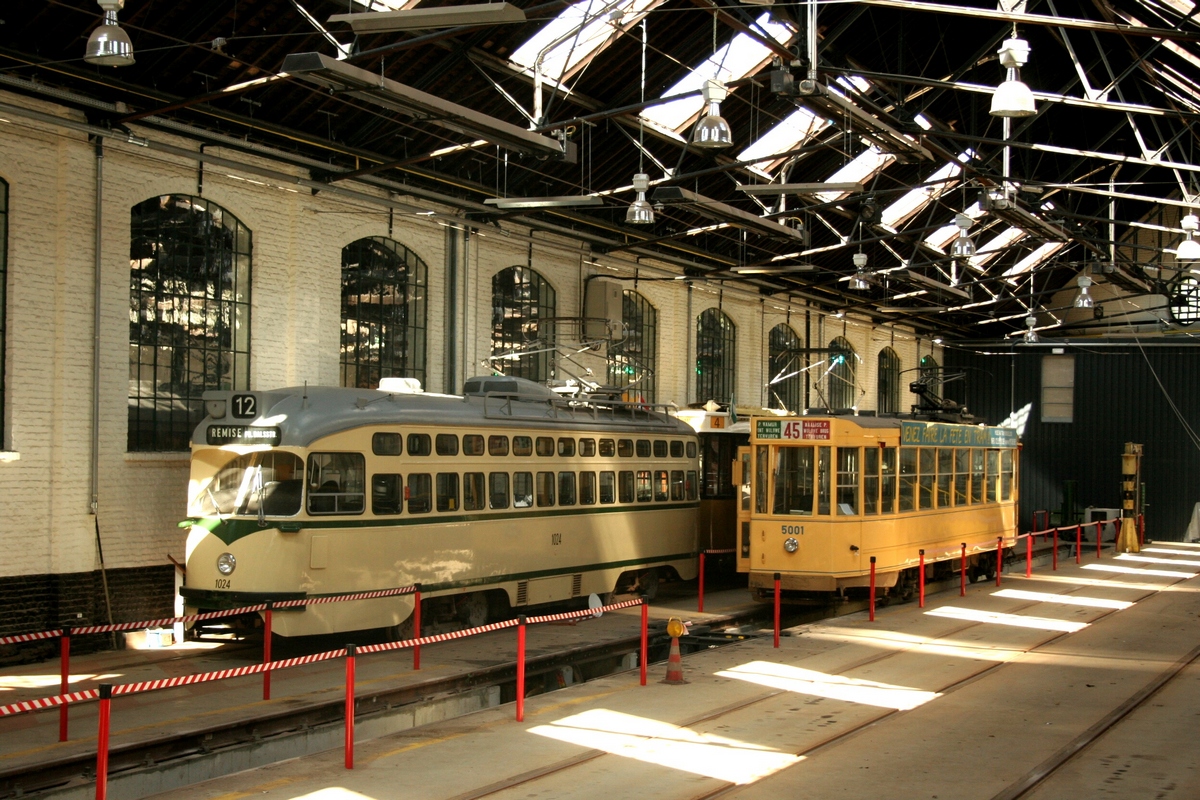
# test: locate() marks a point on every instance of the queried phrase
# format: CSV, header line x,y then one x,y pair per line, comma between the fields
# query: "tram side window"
x,y
762,460
927,468
993,474
847,481
473,494
386,494
626,486
1006,475
447,491
676,484
645,490
420,493
662,488
587,448
823,480
566,488
643,448
691,449
690,485
871,480
887,494
608,487
945,475
545,446
522,446
608,448
977,476
716,464
446,444
587,488
794,481
566,447
274,478
625,448
676,449
660,448
336,483
419,444
545,489
472,444
498,490
962,474
908,479
385,444
522,489
497,445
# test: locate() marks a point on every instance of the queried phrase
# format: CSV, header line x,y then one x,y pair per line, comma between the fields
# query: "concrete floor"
x,y
963,699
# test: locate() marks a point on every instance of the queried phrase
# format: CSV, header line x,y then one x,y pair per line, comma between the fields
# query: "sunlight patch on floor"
x,y
1162,573
1063,599
1014,620
836,687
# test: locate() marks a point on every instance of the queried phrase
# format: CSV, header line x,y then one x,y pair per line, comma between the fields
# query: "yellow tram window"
x,y
691,449
926,475
545,446
419,444
676,484
690,485
744,489
945,475
645,491
522,489
993,474
608,448
887,485
962,474
908,479
794,475
823,480
472,444
608,486
473,495
386,494
676,449
871,480
420,493
545,489
660,448
763,457
626,486
336,483
385,444
977,476
498,445
566,488
847,481
1006,475
587,447
566,447
447,491
661,486
643,448
587,488
625,448
446,444
522,446
498,490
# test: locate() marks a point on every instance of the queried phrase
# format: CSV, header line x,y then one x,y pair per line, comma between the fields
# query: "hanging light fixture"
x,y
1031,336
109,44
640,212
1084,299
712,131
859,281
1189,248
1013,98
963,246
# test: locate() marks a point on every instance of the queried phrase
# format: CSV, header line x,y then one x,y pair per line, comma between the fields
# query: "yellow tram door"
x,y
742,476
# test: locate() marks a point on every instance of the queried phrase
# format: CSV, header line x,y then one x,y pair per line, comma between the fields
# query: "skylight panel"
x,y
741,57
944,235
1006,238
795,129
392,5
914,201
578,34
1033,260
866,165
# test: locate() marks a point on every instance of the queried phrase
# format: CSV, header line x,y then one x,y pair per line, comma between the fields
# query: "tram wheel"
x,y
648,584
472,609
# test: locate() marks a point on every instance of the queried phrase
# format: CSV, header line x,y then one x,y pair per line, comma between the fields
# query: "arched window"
x,y
783,369
189,315
843,361
716,348
3,302
631,361
888,385
383,312
521,300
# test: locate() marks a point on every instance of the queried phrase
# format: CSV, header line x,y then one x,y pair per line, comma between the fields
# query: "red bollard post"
x,y
700,598
999,558
777,610
349,706
1078,542
1029,555
1054,555
417,626
64,685
267,652
102,742
1099,536
962,573
645,652
871,604
921,582
521,668
1141,523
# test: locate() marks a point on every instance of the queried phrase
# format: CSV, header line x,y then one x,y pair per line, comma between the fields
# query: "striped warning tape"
x,y
338,598
29,637
582,614
437,637
220,675
48,702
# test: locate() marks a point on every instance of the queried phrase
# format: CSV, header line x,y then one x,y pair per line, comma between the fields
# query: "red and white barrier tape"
x,y
219,675
29,637
48,702
437,637
582,614
338,598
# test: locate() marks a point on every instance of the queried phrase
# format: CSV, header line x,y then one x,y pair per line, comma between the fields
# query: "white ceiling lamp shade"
x,y
1084,298
640,212
1031,336
109,44
712,131
1189,248
1013,98
964,245
859,281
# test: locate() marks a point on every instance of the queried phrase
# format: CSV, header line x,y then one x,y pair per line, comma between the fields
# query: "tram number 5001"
x,y
245,406
792,530
556,538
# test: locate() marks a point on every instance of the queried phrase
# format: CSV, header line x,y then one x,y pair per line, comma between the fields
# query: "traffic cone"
x,y
674,665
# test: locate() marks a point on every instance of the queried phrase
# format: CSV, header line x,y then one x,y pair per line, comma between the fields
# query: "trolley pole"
x,y
921,582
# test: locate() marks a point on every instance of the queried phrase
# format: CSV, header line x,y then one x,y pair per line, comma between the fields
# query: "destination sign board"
x,y
792,429
940,434
243,434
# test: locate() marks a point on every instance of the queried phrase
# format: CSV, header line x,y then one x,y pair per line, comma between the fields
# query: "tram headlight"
x,y
226,563
791,544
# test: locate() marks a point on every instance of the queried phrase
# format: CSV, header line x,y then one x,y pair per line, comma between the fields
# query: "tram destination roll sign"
x,y
948,435
243,434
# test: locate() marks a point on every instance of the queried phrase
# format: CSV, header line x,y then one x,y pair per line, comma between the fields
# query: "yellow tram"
x,y
819,496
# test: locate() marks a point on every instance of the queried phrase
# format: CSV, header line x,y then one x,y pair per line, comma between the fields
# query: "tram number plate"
x,y
792,530
245,406
223,583
556,538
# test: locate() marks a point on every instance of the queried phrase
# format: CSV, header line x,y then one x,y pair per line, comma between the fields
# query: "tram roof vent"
x,y
505,385
400,385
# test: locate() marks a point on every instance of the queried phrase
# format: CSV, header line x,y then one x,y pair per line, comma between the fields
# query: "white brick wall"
x,y
45,526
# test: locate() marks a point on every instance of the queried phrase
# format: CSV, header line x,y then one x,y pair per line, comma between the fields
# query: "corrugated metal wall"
x,y
1117,400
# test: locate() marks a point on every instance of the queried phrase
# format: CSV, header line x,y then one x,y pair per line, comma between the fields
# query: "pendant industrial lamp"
x,y
1013,98
859,281
639,211
109,44
964,245
1189,248
1031,336
712,131
1084,299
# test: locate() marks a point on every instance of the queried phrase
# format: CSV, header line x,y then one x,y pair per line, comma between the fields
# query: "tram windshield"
x,y
272,480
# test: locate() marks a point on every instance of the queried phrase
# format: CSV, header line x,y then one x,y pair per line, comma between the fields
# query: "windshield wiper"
x,y
208,490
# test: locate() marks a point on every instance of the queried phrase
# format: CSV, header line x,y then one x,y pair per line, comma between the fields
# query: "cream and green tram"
x,y
821,495
505,497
